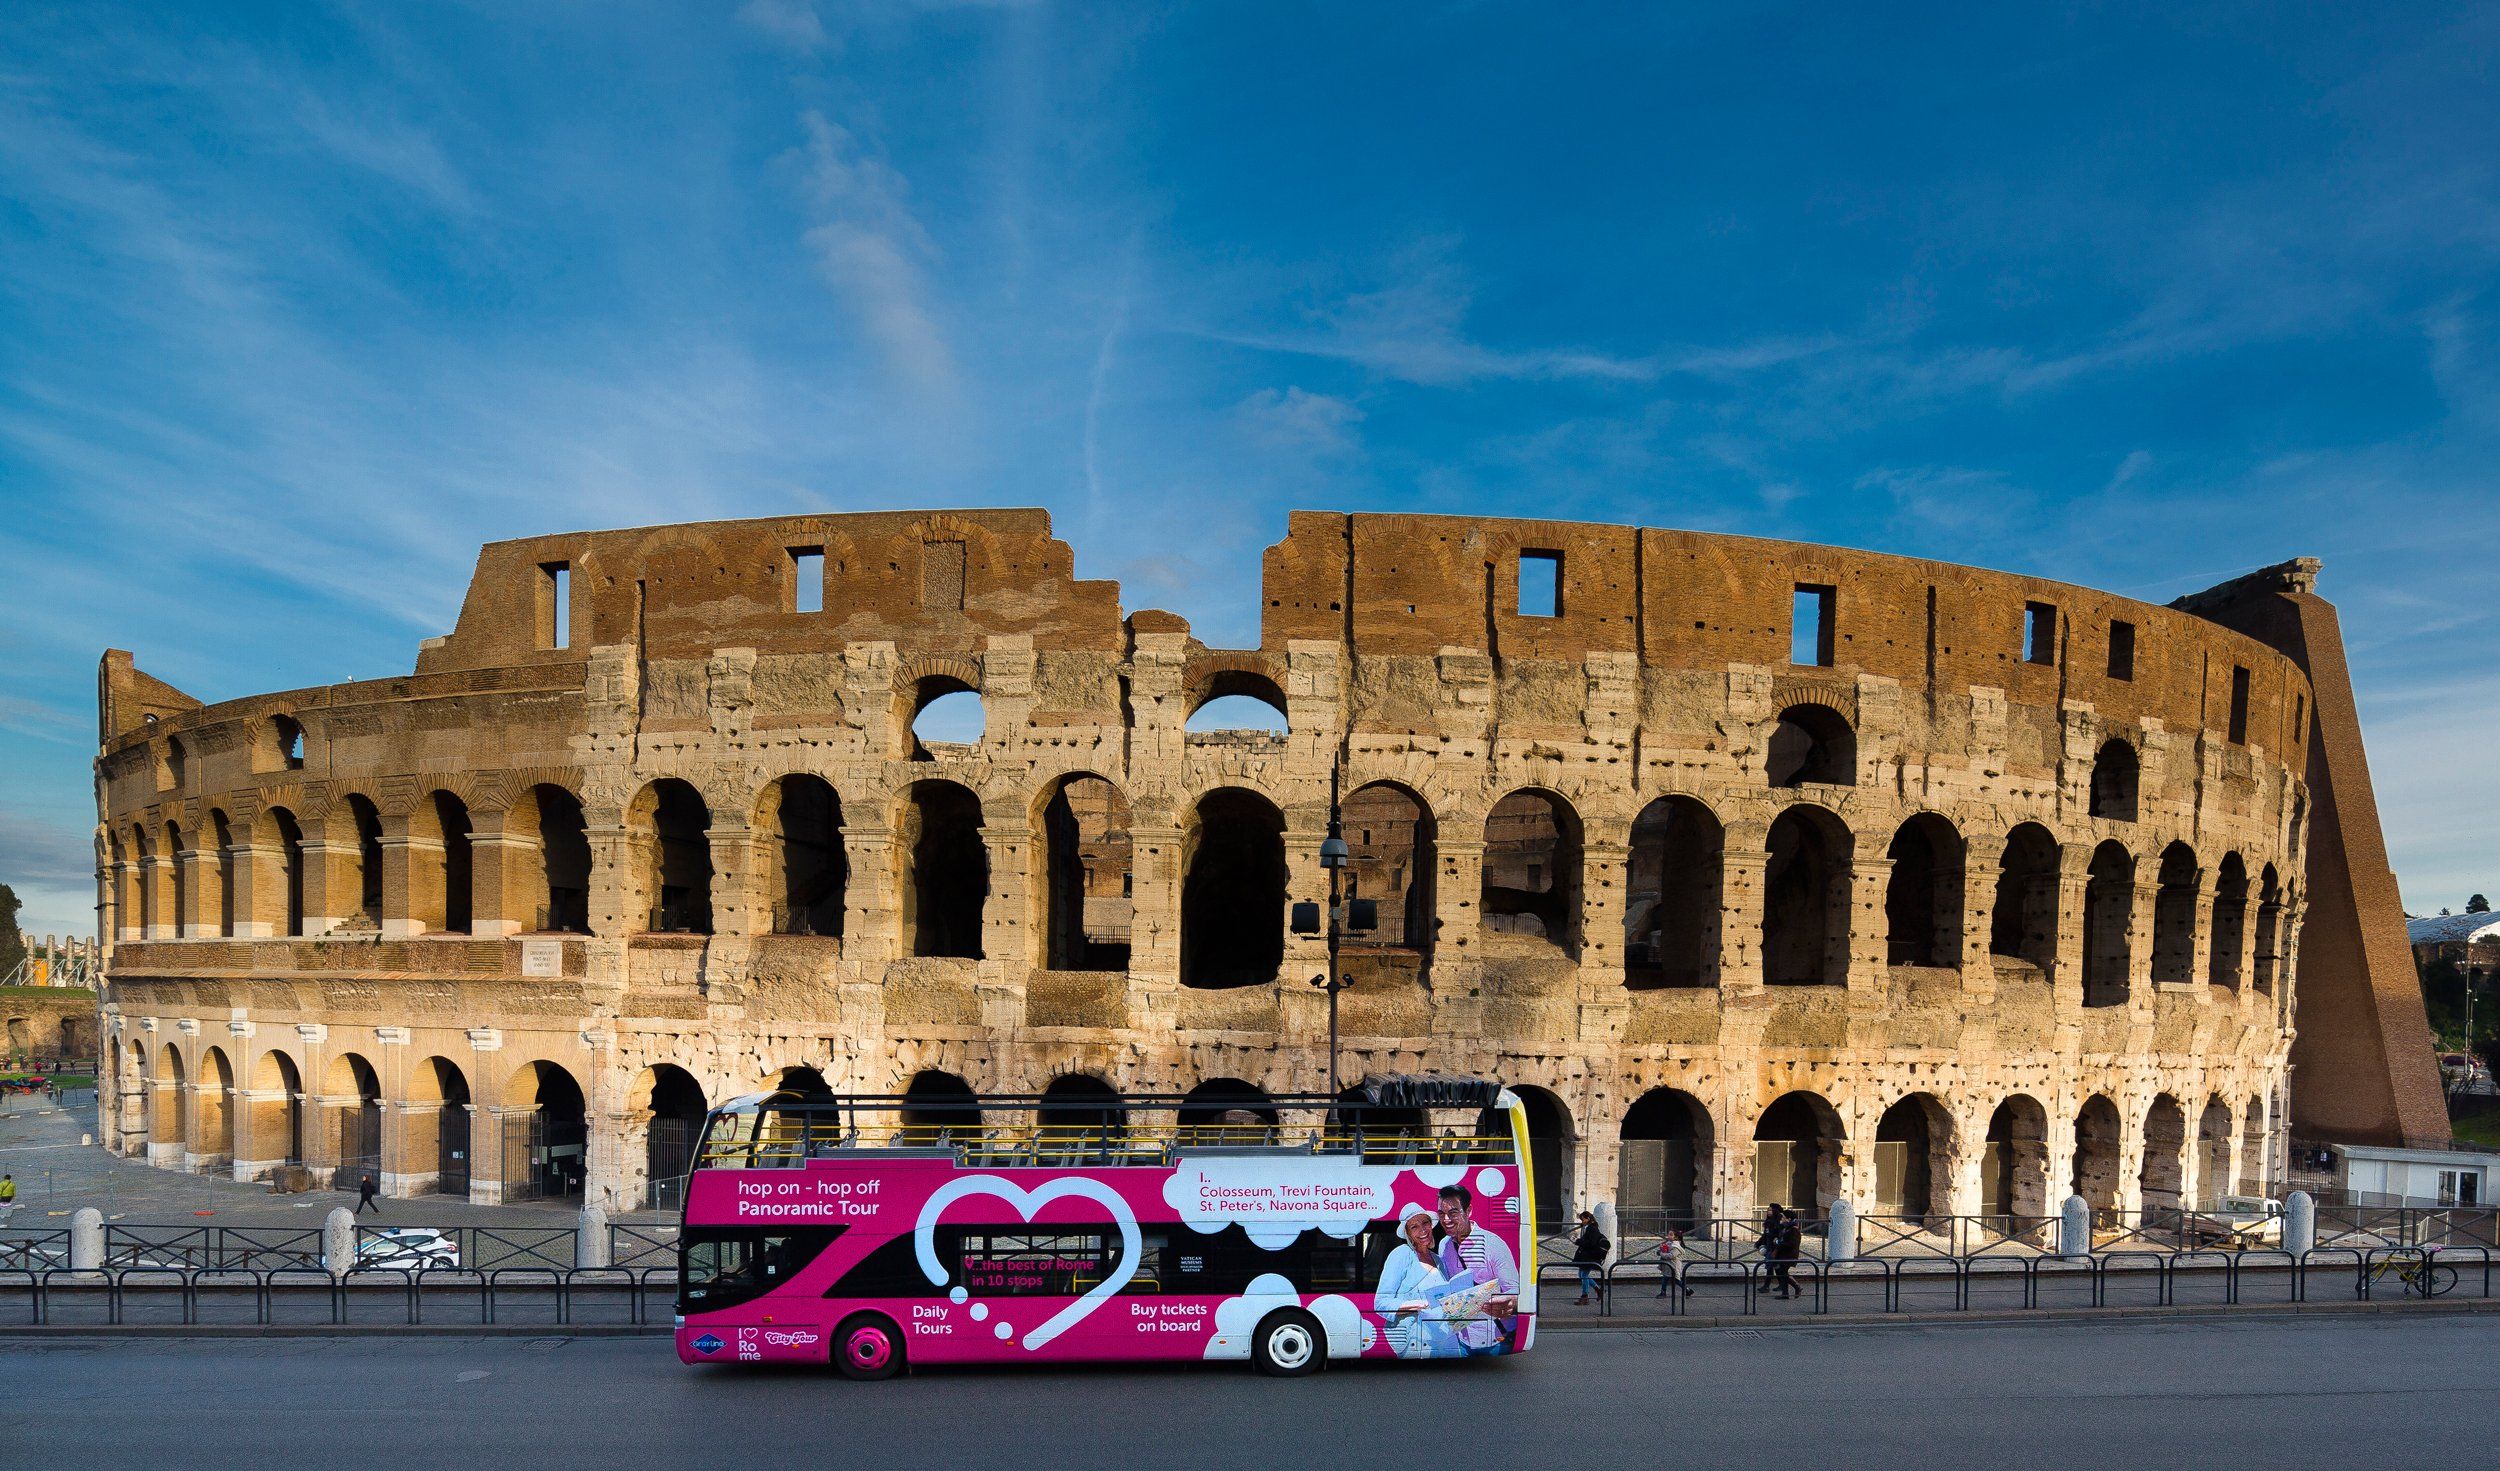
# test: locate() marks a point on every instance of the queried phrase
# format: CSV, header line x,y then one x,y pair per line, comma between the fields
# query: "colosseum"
x,y
1763,871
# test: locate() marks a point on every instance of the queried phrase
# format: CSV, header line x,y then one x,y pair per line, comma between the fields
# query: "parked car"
x,y
408,1249
2240,1223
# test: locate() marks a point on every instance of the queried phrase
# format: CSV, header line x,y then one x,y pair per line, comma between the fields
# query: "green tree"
x,y
12,944
2478,905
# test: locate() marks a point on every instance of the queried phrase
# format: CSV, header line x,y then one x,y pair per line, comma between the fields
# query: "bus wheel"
x,y
1289,1344
868,1346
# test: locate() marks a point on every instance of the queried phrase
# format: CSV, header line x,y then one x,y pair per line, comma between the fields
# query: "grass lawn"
x,y
2478,1124
40,992
59,1080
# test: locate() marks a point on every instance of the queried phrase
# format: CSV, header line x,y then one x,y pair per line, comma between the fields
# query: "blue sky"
x,y
300,304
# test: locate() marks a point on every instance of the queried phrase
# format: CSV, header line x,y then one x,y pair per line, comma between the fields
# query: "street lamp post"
x,y
1343,915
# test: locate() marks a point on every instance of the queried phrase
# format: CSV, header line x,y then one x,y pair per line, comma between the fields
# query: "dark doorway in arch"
x,y
451,1131
2108,915
564,861
807,1082
1812,744
1233,891
806,872
2161,1180
1532,861
2096,1176
2213,1158
679,855
2023,922
1663,1180
1226,1111
2174,917
939,1108
290,839
1923,897
1796,1148
950,870
545,1151
2230,923
673,1124
175,848
354,1102
1671,914
368,824
1390,838
451,824
2114,776
2014,1166
1086,852
1914,1161
1386,1135
1080,1117
1805,901
221,833
1553,1147
2269,954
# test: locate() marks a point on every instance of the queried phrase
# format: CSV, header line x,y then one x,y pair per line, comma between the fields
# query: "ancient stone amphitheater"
x,y
1765,871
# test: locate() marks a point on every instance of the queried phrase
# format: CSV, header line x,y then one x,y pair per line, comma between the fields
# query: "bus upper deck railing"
x,y
785,1142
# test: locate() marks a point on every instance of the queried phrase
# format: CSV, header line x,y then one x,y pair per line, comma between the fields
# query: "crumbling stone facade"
x,y
1976,890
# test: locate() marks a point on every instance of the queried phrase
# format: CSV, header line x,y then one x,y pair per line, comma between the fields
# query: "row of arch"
x,y
1235,880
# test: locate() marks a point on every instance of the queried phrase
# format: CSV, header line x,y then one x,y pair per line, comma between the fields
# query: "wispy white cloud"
x,y
1296,418
872,250
793,23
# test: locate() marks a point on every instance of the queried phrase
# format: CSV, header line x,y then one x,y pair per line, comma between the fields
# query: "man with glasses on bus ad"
x,y
1480,1294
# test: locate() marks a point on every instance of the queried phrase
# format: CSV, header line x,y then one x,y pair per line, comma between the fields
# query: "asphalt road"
x,y
2269,1392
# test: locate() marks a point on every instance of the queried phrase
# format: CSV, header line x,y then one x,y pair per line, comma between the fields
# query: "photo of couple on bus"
x,y
1448,1288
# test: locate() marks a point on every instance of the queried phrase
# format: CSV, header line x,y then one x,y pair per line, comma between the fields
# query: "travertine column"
x,y
618,905
194,876
506,887
2140,943
412,880
1605,895
1869,932
333,882
157,897
2074,864
259,889
2201,951
1006,926
734,907
872,919
1982,858
1741,875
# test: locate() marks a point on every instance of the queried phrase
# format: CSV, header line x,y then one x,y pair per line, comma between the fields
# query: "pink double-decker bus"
x,y
1393,1222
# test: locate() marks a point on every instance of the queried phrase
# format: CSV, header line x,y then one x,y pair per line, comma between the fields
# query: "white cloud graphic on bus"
x,y
1276,1200
1237,1319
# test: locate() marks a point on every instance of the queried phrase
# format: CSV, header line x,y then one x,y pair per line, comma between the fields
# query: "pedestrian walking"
x,y
1768,1243
1588,1255
365,1195
1784,1254
8,1196
1671,1265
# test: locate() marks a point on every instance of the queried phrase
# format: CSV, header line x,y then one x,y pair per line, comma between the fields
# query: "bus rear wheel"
x,y
868,1346
1289,1344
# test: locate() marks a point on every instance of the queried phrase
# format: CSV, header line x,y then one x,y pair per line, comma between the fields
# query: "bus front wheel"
x,y
1289,1344
868,1346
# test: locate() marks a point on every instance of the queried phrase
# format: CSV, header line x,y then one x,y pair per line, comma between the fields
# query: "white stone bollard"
x,y
1604,1210
1841,1237
590,1238
86,1239
2074,1227
338,1241
2300,1223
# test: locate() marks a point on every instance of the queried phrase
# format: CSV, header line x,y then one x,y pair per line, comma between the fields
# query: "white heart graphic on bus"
x,y
1027,1202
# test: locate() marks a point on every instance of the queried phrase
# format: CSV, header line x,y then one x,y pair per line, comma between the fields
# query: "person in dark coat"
x,y
1588,1254
1768,1244
1784,1253
365,1192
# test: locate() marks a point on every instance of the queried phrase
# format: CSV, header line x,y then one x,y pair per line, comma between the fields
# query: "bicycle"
x,y
2419,1274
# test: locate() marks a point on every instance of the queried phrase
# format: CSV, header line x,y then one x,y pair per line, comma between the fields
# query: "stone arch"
x,y
1079,1114
1392,842
2174,916
2255,1150
211,1141
2108,919
174,850
1914,1144
1663,1171
2230,922
556,899
1227,692
940,705
2270,910
1678,881
2014,1165
279,907
946,876
1532,863
2098,1132
438,1161
1923,895
1232,890
671,1107
222,844
277,1111
671,831
1805,899
804,1081
1797,1153
2116,773
2022,924
1081,834
545,1153
803,869
364,822
351,1106
1226,1111
1553,1152
443,878
1812,744
170,1126
937,1107
143,855
2213,1154
2165,1147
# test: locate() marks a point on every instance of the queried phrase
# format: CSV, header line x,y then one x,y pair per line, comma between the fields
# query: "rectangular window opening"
x,y
2239,706
2121,650
807,579
1810,625
2039,633
555,605
1540,584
